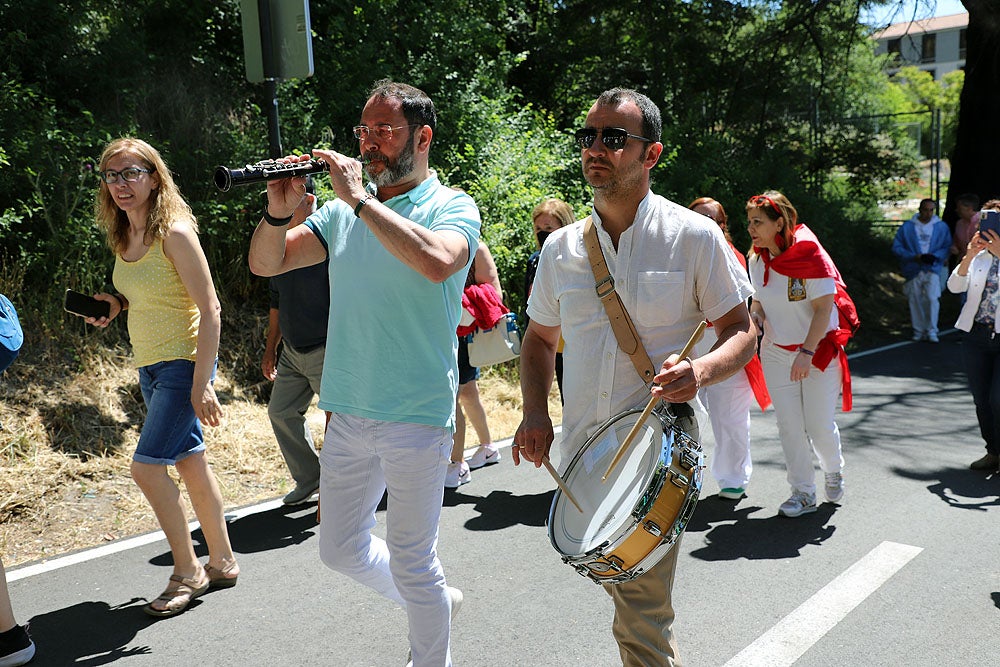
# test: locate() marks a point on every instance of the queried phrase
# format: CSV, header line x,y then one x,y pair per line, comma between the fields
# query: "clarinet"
x,y
266,170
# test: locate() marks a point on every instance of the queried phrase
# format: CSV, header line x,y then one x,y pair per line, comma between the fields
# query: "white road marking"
x,y
124,545
795,634
149,538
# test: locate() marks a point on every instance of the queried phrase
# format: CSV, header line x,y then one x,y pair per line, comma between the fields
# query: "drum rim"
x,y
668,542
622,532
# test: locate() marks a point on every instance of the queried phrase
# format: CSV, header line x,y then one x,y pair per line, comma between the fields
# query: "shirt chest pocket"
x,y
659,297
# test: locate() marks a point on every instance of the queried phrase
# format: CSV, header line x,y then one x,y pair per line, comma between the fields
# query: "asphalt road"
x,y
905,572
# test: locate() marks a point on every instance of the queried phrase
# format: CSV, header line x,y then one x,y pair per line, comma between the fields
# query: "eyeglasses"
x,y
760,201
382,132
129,175
613,138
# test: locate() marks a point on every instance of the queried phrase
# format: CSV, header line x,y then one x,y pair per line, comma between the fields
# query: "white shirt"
x,y
924,231
672,269
787,303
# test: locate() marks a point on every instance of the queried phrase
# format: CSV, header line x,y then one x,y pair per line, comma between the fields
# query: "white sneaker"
x,y
458,474
456,604
486,455
933,338
456,600
834,486
800,503
917,337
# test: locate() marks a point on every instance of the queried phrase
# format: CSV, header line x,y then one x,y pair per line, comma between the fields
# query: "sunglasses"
x,y
760,201
382,132
613,138
129,175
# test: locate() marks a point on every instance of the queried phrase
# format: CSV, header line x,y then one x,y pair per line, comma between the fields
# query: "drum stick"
x,y
561,483
695,337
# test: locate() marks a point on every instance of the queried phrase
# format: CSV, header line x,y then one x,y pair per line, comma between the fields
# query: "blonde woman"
x,y
162,278
551,214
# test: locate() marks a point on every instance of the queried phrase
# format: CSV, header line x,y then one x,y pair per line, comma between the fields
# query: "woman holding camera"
x,y
977,277
174,323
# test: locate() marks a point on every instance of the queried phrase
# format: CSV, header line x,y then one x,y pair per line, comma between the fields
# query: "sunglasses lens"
x,y
585,138
614,138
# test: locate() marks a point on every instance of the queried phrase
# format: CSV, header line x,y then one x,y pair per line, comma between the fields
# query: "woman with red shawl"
x,y
797,285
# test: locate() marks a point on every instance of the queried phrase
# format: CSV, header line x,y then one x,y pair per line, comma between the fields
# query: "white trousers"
x,y
360,459
805,412
923,292
728,404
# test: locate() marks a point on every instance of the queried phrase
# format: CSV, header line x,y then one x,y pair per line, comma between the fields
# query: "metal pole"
x,y
270,79
937,156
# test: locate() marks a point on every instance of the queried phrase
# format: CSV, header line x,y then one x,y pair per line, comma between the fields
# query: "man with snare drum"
x,y
672,269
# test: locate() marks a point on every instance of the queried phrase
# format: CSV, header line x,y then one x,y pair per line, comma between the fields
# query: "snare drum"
x,y
633,519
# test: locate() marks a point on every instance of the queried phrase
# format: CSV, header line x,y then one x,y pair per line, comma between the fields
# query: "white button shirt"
x,y
672,269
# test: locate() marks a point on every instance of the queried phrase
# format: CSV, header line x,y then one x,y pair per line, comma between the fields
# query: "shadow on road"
x,y
276,528
503,509
90,633
959,487
744,536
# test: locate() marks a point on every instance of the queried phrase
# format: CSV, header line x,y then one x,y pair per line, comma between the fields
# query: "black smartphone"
x,y
85,306
989,220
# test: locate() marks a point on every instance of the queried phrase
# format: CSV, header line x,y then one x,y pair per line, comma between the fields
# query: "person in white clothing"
x,y
728,402
795,283
671,269
977,276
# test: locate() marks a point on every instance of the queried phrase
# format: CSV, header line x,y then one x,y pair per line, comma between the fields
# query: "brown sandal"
x,y
217,578
186,590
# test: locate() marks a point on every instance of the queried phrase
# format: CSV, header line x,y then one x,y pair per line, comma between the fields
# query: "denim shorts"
x,y
466,372
171,431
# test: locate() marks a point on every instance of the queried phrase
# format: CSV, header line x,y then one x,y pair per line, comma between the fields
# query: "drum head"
x,y
607,506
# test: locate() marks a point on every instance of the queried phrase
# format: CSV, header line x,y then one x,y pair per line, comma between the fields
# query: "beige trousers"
x,y
644,616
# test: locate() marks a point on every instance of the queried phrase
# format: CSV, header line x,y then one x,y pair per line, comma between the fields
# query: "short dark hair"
x,y
652,123
418,109
927,201
969,199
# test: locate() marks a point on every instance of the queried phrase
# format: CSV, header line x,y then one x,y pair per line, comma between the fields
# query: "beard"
x,y
394,171
621,181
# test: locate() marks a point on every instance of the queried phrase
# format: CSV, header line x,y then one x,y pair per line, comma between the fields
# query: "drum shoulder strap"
x,y
621,323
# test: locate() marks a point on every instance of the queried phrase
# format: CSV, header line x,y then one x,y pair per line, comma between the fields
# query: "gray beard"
x,y
393,173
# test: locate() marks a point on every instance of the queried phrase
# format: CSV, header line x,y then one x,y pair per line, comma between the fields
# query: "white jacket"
x,y
972,284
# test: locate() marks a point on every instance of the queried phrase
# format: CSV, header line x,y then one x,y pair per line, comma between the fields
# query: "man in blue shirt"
x,y
398,261
922,246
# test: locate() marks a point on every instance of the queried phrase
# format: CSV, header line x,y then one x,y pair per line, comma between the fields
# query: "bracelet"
x,y
361,204
121,304
803,350
275,222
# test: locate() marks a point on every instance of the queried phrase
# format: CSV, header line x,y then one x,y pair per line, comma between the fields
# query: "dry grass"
x,y
70,423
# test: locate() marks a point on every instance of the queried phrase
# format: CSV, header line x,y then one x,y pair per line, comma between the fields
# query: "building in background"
x,y
936,45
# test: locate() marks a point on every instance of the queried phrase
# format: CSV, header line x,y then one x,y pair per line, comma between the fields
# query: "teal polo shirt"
x,y
391,348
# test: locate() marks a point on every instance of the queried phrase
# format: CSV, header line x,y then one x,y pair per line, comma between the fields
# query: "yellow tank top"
x,y
162,318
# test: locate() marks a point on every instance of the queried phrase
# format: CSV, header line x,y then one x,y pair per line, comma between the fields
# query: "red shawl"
x,y
806,258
